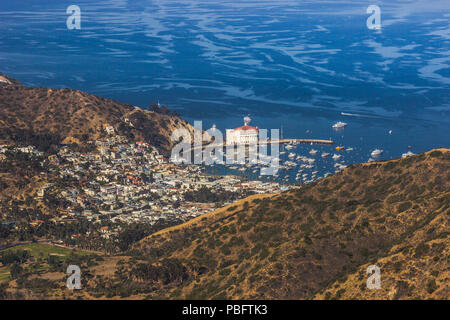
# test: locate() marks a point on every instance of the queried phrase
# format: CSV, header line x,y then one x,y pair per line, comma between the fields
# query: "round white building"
x,y
243,135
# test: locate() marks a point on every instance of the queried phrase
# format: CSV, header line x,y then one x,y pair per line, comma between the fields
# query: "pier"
x,y
302,141
281,141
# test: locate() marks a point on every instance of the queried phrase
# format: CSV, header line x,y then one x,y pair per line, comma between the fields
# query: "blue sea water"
x,y
288,63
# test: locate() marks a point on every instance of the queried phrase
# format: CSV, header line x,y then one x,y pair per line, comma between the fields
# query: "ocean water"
x,y
296,65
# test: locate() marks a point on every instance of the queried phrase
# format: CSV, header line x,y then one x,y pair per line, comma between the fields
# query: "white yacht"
x,y
290,164
376,153
409,153
339,125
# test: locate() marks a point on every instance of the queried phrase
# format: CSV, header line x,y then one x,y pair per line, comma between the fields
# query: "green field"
x,y
44,250
4,274
38,250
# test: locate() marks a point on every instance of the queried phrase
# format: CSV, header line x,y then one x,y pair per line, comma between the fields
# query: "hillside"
x,y
47,117
316,242
312,243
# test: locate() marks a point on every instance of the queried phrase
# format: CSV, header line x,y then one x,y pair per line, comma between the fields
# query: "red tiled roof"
x,y
246,128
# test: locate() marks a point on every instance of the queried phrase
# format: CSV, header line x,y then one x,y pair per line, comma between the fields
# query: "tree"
x,y
16,270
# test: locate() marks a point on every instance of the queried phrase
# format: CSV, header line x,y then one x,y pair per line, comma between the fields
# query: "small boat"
x,y
407,154
376,153
339,125
325,154
313,152
291,155
290,163
336,157
338,148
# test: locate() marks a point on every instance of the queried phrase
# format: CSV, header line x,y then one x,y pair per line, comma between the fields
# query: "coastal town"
x,y
255,152
125,182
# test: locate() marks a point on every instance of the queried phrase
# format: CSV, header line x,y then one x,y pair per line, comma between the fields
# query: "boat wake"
x,y
360,115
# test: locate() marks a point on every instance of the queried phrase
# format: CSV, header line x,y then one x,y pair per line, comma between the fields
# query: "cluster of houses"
x,y
128,182
30,150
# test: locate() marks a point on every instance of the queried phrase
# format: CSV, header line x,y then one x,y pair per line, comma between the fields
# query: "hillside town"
x,y
130,182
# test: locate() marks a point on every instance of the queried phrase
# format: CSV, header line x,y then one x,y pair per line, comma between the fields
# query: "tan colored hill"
x,y
316,242
312,243
45,117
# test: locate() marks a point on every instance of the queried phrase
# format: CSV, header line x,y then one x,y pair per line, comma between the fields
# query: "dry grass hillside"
x,y
312,243
316,242
46,117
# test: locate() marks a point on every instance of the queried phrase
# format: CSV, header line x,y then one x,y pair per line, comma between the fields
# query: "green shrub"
x,y
436,154
431,286
404,206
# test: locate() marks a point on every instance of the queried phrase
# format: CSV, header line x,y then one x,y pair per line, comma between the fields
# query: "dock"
x,y
281,141
304,141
